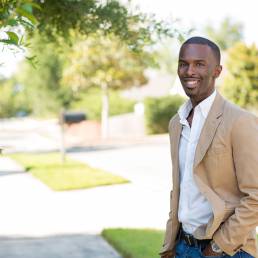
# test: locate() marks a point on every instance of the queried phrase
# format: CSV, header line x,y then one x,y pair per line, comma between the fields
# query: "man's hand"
x,y
168,254
209,252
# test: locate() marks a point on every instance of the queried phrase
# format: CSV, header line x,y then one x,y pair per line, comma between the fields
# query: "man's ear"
x,y
217,71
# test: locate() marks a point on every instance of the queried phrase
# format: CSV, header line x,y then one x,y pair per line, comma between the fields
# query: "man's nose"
x,y
190,70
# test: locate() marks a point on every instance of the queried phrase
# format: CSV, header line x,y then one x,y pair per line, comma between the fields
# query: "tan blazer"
x,y
226,172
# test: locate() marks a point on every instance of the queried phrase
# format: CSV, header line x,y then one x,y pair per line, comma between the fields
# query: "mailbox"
x,y
73,117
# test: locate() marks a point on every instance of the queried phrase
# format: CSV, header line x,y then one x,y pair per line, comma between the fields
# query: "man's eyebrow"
x,y
195,60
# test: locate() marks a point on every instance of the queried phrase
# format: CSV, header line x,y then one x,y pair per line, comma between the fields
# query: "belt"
x,y
191,240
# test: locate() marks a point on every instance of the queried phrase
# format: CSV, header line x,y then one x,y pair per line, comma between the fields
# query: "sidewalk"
x,y
64,246
43,212
34,221
35,216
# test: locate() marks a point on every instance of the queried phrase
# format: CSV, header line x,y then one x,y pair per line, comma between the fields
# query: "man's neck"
x,y
196,102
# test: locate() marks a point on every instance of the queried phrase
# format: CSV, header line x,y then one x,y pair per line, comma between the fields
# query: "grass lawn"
x,y
72,175
135,243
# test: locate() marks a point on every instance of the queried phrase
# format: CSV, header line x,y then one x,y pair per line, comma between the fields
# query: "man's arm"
x,y
165,251
233,234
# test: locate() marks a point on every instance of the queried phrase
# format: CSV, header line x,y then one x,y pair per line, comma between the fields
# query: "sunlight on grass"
x,y
135,243
69,176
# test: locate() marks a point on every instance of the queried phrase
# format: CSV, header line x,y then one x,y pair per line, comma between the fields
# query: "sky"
x,y
195,14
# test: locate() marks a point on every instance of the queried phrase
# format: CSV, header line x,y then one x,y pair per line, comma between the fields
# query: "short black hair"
x,y
203,41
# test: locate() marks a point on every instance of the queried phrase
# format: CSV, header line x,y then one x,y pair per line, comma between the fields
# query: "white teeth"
x,y
191,82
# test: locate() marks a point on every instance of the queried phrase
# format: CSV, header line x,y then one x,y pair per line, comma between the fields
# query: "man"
x,y
214,151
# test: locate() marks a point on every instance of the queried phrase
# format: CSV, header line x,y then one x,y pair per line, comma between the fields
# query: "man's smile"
x,y
191,82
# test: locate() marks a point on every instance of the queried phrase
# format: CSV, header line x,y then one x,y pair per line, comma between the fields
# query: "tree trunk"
x,y
105,111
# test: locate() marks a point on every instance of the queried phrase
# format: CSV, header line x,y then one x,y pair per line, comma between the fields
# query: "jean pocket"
x,y
243,254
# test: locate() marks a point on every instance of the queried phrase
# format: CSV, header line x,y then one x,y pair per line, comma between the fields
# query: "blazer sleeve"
x,y
233,234
167,247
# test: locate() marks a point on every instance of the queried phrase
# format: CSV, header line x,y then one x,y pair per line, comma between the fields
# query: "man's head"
x,y
198,67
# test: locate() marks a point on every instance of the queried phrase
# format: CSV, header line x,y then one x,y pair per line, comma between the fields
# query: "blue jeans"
x,y
185,251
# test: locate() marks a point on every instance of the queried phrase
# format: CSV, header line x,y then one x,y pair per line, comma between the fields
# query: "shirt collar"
x,y
206,104
203,106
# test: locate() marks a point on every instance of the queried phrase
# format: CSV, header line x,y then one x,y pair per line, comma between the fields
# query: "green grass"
x,y
135,243
70,176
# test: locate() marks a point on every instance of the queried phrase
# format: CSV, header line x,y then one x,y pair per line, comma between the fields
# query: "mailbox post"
x,y
68,118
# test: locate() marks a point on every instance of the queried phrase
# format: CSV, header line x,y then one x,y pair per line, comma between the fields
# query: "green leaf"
x,y
36,6
12,22
26,23
27,7
13,37
7,41
32,60
27,15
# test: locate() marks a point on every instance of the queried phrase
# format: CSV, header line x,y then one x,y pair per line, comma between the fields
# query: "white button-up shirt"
x,y
194,209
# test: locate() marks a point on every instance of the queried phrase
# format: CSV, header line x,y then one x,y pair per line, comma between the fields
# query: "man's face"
x,y
197,70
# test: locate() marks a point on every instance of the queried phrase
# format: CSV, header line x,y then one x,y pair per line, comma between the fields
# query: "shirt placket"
x,y
189,161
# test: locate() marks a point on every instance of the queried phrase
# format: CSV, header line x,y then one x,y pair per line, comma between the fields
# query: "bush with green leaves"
x,y
158,112
241,82
90,102
13,100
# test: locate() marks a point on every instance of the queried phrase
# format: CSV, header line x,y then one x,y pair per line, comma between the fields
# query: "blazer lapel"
x,y
210,126
175,137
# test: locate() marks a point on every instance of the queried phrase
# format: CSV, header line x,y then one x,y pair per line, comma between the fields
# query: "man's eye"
x,y
182,65
199,64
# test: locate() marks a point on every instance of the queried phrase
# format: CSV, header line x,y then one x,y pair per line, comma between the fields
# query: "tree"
x,y
105,62
16,15
12,102
227,34
42,83
241,82
57,18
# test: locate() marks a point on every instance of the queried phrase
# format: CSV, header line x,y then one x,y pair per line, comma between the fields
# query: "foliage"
x,y
99,60
158,112
57,18
167,57
105,62
42,82
241,82
13,101
90,102
15,14
135,243
48,91
227,34
69,176
88,16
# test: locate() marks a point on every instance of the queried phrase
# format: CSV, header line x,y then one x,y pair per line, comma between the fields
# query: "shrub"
x,y
158,112
90,102
13,101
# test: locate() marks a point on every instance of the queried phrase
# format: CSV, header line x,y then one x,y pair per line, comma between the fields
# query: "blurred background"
x,y
87,89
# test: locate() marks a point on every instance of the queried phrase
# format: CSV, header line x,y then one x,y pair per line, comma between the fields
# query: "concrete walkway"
x,y
38,223
70,246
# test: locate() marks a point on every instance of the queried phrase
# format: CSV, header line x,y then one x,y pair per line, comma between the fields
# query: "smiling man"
x,y
214,151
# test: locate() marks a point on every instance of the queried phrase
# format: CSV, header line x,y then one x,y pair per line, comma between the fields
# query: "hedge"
x,y
158,112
